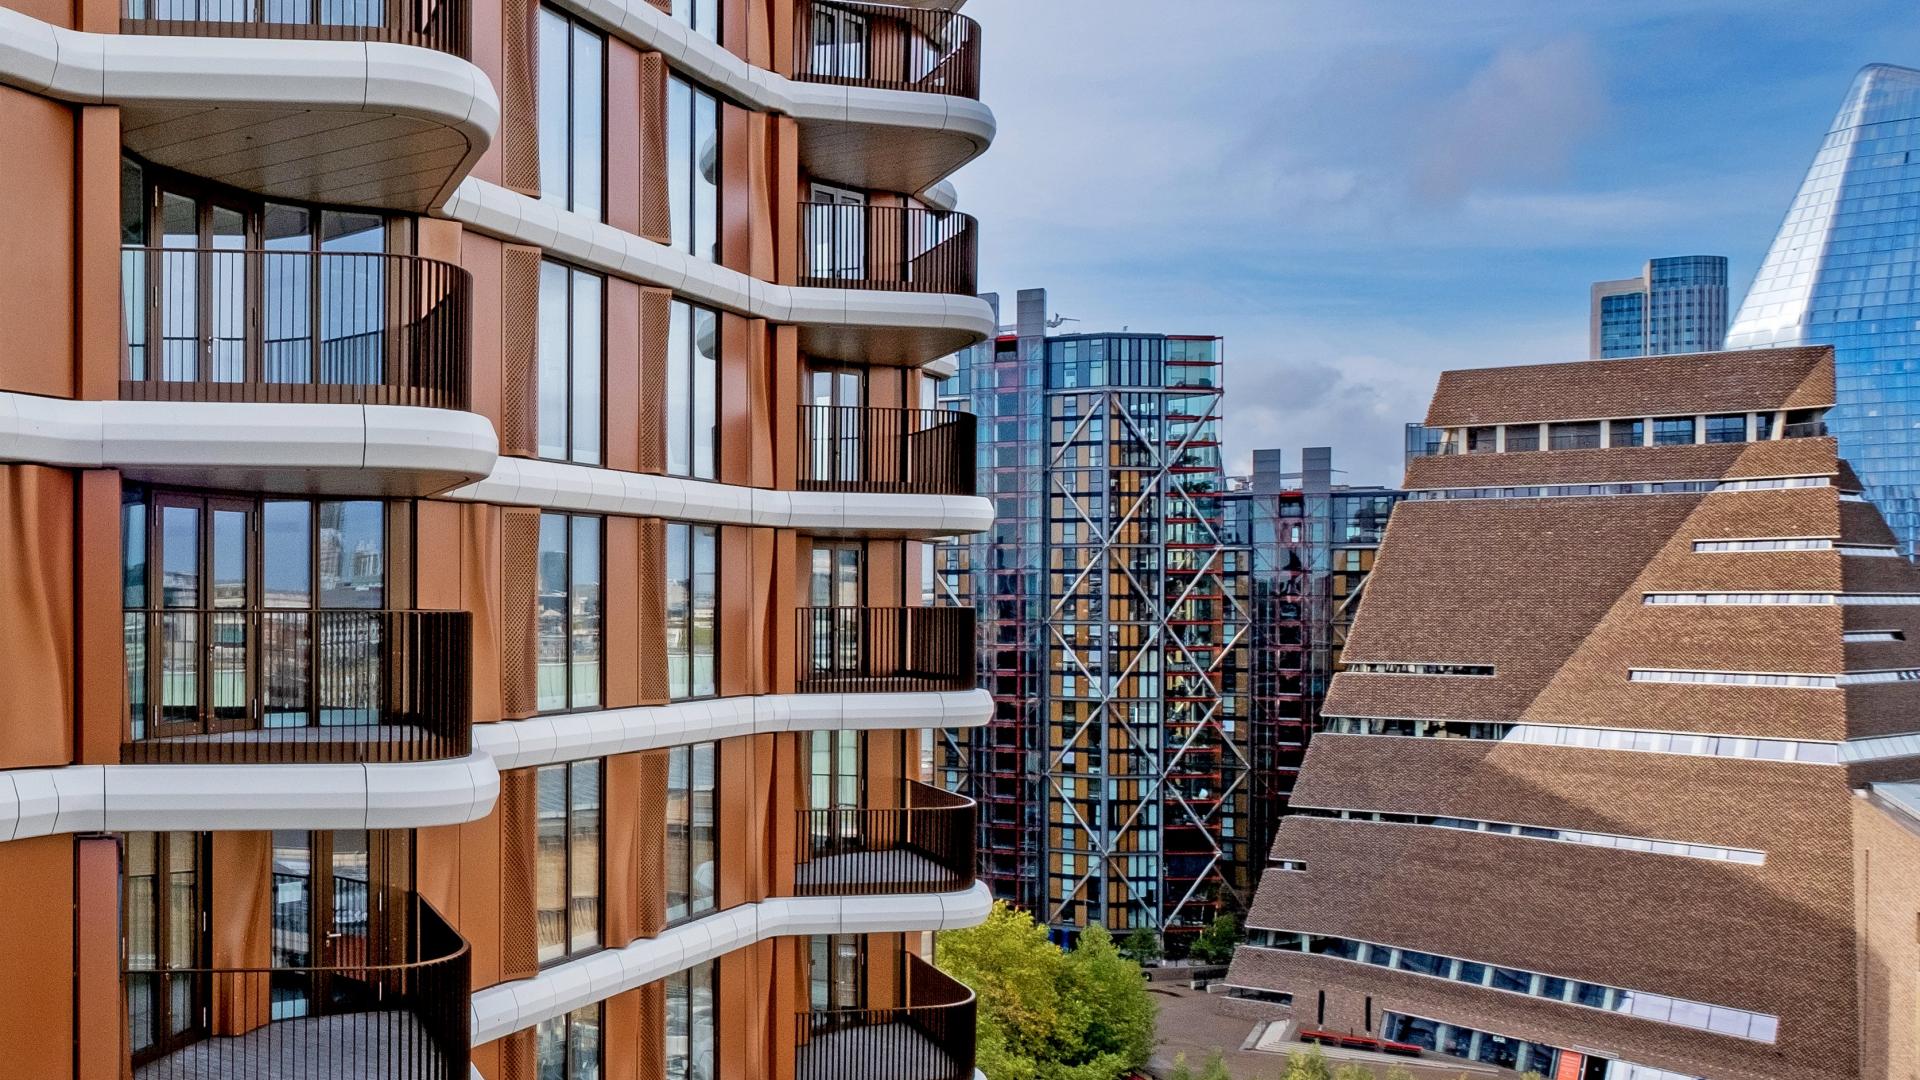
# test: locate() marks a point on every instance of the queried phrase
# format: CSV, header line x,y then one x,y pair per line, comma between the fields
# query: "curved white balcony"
x,y
867,326
390,450
506,1008
348,123
557,485
894,140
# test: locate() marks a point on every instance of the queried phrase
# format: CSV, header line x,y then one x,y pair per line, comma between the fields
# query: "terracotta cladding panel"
x,y
656,219
519,101
653,1027
1681,1049
1624,792
651,860
656,312
519,349
651,620
1747,380
1597,914
520,574
519,935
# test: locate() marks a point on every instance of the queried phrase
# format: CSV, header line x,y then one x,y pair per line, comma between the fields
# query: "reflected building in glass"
x,y
1841,273
1676,305
1113,777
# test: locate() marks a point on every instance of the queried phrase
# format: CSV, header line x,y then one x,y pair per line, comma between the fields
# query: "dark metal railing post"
x,y
928,1035
925,251
441,24
856,448
886,47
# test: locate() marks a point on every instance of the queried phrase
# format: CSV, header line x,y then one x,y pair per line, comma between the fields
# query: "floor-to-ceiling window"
x,y
693,168
691,1001
568,838
693,600
693,391
572,111
571,364
568,644
692,830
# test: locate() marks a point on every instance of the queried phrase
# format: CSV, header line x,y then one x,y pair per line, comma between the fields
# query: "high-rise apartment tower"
x,y
1676,305
1585,797
466,472
1842,273
1112,777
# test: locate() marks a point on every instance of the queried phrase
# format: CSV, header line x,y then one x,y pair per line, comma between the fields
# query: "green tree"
x,y
1351,1071
1181,1070
1045,1014
1214,945
1310,1065
1399,1072
1142,946
1216,1068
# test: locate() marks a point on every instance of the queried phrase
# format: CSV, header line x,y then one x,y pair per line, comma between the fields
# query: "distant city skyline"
x,y
1513,155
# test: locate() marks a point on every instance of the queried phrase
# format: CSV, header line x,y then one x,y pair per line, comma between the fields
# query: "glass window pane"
x,y
586,360
677,1015
550,691
550,861
583,849
585,608
552,373
552,66
700,1026
705,391
352,556
680,161
704,831
286,553
679,818
706,177
588,132
706,602
679,390
679,610
180,556
133,554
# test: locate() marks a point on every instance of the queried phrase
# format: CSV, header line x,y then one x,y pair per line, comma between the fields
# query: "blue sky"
x,y
1360,194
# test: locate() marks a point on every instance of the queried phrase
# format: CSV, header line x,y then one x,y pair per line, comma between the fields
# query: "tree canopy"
x,y
1045,1014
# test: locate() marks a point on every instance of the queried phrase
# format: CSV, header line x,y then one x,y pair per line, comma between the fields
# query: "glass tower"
x,y
1841,273
1113,778
1676,305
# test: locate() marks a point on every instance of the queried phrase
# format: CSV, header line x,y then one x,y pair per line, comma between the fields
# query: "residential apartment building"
x,y
1841,273
1112,776
1611,784
1309,547
1676,305
466,474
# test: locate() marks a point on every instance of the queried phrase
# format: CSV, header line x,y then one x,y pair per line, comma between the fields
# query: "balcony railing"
x,y
351,1020
208,324
888,48
869,650
931,1037
1810,429
430,24
923,845
896,451
896,248
277,686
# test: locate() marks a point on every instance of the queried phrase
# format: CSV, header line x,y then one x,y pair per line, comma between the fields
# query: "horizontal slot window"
x,y
1858,637
1597,738
1775,543
1653,487
1385,668
1735,678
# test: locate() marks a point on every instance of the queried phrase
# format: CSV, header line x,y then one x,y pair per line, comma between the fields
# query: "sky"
x,y
1360,194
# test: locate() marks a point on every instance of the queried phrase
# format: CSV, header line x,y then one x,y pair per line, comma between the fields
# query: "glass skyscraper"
x,y
1113,776
1841,273
1676,305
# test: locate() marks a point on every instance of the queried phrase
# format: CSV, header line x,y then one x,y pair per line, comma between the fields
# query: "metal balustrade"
x,y
895,248
300,685
897,451
928,1037
867,650
925,844
359,1018
328,327
888,48
441,25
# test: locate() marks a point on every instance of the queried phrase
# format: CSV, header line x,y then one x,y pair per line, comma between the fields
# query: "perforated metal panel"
x,y
652,616
520,583
518,897
653,1031
519,101
519,350
651,860
516,1055
656,310
656,219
